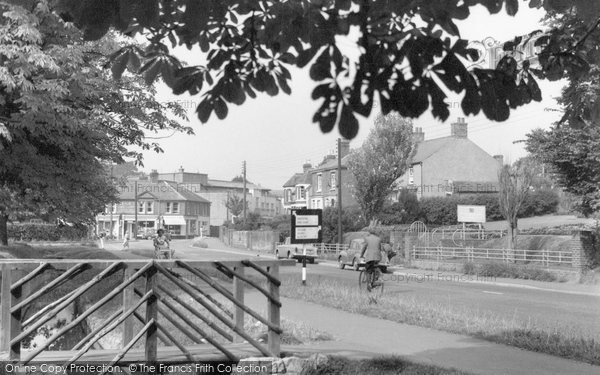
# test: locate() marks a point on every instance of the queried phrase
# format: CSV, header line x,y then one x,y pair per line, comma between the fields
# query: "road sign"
x,y
306,226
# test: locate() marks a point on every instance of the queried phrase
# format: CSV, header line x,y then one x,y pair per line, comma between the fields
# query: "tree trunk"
x,y
3,229
512,239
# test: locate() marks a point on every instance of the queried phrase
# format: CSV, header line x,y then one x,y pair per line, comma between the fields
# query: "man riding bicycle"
x,y
371,252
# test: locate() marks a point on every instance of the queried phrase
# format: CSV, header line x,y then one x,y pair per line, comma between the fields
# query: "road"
x,y
578,312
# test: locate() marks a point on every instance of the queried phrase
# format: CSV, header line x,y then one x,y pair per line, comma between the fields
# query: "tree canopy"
x,y
62,118
380,161
410,53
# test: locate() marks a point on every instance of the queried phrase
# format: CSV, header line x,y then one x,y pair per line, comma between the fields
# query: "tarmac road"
x,y
578,307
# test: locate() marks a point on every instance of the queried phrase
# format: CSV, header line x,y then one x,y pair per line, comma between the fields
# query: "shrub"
x,y
352,221
540,202
510,271
46,232
405,211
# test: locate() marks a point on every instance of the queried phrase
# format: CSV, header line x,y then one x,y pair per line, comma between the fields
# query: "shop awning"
x,y
174,220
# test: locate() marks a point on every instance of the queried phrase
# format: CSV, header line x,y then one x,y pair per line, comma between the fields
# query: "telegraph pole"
x,y
135,211
339,189
244,177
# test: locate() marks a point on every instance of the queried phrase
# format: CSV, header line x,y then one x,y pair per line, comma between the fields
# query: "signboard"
x,y
470,214
306,226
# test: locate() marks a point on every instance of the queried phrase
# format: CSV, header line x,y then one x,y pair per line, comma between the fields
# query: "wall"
x,y
259,240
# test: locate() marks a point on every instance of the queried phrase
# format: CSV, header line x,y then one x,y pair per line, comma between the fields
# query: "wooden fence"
x,y
156,288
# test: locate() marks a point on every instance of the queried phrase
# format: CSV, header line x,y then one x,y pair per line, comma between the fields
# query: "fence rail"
x,y
158,289
545,257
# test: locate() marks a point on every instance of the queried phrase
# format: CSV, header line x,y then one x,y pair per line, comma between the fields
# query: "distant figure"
x,y
161,243
126,241
102,240
371,252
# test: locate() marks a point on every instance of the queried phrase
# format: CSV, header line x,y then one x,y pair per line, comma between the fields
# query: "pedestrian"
x,y
126,241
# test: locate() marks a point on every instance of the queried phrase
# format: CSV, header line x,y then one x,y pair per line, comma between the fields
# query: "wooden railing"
x,y
158,289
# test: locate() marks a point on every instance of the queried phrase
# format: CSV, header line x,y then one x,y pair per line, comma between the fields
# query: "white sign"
x,y
307,233
307,220
470,214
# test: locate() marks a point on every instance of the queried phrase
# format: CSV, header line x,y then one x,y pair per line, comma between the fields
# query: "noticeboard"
x,y
306,226
470,214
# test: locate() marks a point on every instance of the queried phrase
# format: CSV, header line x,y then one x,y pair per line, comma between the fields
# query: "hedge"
x,y
46,232
442,210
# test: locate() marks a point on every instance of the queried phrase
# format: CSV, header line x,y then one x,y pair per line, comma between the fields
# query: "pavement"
x,y
358,336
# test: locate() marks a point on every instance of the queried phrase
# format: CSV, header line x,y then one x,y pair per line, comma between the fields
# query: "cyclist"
x,y
161,242
371,252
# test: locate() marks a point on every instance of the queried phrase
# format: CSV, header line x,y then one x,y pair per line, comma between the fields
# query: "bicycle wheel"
x,y
378,289
363,280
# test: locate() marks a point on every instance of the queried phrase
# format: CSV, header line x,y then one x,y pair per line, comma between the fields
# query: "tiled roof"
x,y
161,190
427,148
331,164
298,178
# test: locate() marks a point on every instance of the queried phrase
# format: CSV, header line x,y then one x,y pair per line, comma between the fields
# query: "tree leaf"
x,y
220,108
348,125
204,110
321,68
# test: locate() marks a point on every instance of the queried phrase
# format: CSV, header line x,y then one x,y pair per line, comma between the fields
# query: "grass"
x,y
565,342
510,271
385,365
23,251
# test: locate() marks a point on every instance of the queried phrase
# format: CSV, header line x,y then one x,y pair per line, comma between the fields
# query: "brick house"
x,y
450,165
296,190
323,181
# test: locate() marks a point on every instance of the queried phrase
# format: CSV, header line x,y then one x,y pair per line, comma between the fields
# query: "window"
x,y
288,195
319,182
149,207
332,202
332,180
168,207
175,207
301,192
411,176
141,207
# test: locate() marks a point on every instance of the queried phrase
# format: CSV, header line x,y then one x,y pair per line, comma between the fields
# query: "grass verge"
x,y
510,271
385,365
558,341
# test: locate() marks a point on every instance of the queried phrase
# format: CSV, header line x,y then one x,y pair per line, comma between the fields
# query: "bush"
x,y
405,211
352,221
46,232
442,210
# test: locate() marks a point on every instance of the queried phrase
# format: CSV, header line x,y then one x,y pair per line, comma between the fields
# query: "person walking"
x,y
126,241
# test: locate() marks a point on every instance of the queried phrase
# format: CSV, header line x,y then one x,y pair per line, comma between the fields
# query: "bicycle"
x,y
365,279
166,253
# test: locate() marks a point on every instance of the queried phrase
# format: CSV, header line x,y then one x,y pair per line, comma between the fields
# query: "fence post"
x,y
151,313
238,294
128,302
5,301
273,312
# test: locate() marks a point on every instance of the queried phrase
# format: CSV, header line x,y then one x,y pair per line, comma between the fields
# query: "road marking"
x,y
488,292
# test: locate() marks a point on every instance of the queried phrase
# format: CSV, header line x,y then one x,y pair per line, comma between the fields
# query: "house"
x,y
296,189
217,192
450,165
323,180
318,187
160,204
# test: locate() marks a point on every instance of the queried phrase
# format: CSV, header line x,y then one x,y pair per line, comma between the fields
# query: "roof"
x,y
161,190
429,147
298,178
331,164
234,185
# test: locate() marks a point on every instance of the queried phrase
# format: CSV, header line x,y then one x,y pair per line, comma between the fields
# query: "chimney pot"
x,y
459,129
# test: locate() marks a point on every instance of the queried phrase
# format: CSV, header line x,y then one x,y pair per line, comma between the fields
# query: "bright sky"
x,y
275,135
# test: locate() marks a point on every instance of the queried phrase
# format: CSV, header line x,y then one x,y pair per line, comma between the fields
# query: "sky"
x,y
276,135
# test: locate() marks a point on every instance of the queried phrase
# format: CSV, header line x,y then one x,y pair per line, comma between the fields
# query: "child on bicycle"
x,y
371,252
161,242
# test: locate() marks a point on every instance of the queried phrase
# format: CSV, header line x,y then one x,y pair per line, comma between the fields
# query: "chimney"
x,y
459,128
306,167
181,169
418,135
345,147
500,159
154,176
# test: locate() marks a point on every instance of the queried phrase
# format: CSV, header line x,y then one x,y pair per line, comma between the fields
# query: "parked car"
x,y
351,256
296,251
147,233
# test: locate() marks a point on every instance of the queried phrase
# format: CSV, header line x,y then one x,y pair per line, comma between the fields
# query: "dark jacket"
x,y
371,249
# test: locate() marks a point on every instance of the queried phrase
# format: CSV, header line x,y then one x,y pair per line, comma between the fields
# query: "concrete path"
x,y
361,336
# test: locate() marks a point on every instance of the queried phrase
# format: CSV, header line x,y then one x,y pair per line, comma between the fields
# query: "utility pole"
x,y
135,211
339,190
244,177
112,205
